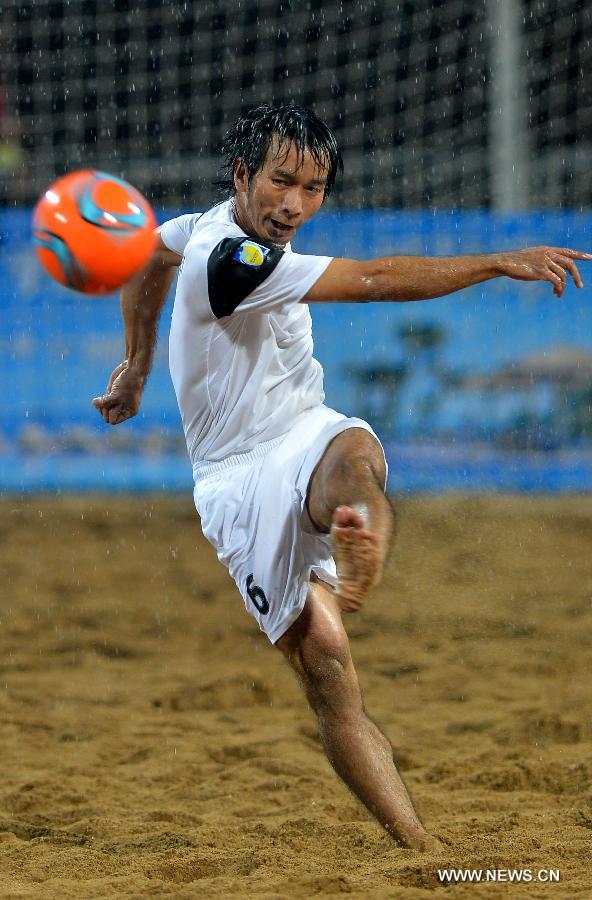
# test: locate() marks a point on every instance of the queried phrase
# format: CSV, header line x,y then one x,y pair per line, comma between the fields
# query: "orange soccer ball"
x,y
93,231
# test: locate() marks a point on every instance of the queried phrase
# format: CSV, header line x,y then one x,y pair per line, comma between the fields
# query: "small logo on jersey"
x,y
251,254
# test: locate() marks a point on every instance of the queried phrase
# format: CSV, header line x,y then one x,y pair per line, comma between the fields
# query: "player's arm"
x,y
142,299
402,278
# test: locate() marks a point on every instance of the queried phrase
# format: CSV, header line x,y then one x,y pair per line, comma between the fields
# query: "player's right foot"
x,y
426,843
416,839
357,556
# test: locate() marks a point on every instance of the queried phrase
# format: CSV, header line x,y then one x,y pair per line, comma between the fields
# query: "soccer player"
x,y
283,483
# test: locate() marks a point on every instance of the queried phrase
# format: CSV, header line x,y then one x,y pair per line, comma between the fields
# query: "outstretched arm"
x,y
401,278
142,299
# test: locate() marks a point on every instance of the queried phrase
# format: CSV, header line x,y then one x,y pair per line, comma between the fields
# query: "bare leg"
x,y
346,497
317,647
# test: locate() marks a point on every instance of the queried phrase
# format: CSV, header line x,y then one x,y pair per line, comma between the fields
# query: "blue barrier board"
x,y
434,378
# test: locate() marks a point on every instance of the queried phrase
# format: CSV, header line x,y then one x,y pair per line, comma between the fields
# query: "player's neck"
x,y
240,218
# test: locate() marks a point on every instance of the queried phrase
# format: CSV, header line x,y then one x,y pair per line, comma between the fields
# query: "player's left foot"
x,y
357,556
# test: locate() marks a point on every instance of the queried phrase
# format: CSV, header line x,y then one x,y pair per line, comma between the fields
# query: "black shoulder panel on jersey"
x,y
236,267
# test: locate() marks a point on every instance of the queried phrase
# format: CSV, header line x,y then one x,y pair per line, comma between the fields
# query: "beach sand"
x,y
154,744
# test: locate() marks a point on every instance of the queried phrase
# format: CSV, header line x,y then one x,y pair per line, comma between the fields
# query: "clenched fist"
x,y
122,398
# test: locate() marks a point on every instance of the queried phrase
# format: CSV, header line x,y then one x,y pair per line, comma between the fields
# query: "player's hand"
x,y
552,264
122,398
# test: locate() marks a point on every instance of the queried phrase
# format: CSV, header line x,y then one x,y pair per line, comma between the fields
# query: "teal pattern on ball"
x,y
56,245
91,212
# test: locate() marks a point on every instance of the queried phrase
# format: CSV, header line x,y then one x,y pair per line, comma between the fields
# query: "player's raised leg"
x,y
317,647
346,497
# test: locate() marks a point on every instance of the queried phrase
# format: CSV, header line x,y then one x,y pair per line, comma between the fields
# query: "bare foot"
x,y
357,557
430,844
413,839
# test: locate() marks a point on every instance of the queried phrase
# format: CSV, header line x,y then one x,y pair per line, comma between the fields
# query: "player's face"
x,y
282,196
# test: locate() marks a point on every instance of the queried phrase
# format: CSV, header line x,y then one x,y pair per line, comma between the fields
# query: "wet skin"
x,y
287,191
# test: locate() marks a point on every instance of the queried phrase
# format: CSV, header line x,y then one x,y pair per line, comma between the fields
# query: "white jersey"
x,y
240,348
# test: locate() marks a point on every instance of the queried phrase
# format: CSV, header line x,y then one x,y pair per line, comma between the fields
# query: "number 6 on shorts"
x,y
257,596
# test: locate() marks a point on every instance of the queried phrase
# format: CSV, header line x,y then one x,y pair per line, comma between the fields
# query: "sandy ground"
x,y
153,744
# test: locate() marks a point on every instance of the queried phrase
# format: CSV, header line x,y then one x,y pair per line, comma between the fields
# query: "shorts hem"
x,y
281,627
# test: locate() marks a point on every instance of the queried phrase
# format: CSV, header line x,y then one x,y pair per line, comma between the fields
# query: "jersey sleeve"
x,y
245,276
176,232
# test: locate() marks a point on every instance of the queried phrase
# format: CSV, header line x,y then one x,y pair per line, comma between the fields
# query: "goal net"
x,y
146,89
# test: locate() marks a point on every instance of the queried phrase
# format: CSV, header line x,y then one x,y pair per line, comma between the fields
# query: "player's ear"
x,y
240,176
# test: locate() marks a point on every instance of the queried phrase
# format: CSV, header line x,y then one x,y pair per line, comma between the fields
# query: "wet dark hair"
x,y
249,139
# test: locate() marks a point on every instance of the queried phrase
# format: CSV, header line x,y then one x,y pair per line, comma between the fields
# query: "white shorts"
x,y
252,509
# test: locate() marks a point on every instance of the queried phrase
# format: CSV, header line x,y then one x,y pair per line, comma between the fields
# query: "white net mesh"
x,y
146,88
556,72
